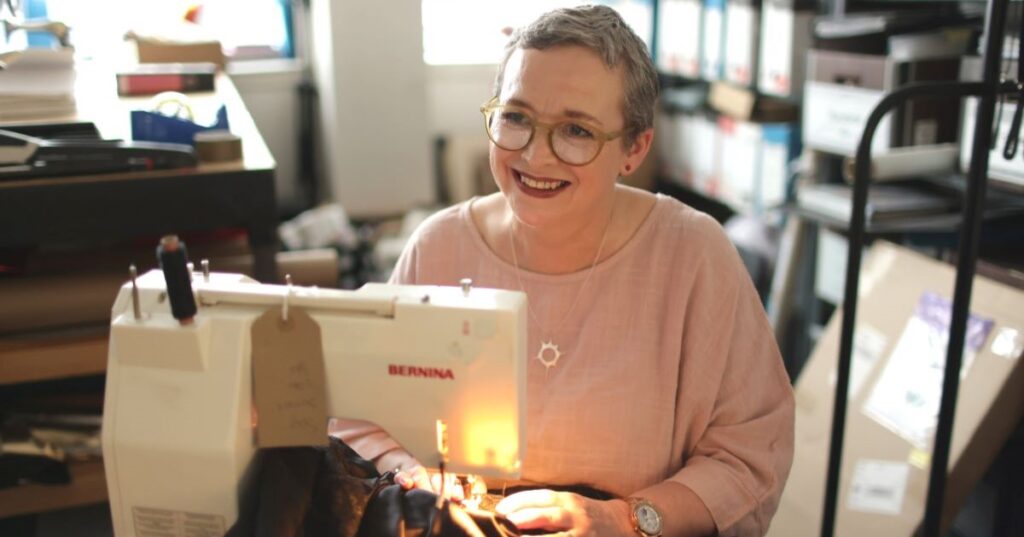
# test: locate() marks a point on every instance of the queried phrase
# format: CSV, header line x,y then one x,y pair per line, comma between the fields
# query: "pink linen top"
x,y
669,368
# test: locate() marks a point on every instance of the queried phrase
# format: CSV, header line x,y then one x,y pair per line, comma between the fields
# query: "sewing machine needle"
x,y
136,308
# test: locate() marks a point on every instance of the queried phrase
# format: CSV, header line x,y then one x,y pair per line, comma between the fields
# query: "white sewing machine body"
x,y
177,421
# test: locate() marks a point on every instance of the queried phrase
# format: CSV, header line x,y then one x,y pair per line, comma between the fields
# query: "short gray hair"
x,y
602,30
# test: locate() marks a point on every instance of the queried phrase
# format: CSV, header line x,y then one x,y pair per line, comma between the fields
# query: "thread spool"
x,y
173,259
217,146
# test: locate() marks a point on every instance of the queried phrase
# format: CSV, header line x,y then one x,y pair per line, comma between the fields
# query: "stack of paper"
x,y
37,83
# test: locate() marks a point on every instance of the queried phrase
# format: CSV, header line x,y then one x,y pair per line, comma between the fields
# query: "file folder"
x,y
785,39
679,37
780,146
742,26
712,39
741,163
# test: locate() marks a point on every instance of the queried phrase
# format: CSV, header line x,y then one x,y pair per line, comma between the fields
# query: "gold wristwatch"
x,y
645,517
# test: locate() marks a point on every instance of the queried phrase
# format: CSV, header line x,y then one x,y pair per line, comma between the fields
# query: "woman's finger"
x,y
413,478
464,521
452,486
549,518
421,479
527,498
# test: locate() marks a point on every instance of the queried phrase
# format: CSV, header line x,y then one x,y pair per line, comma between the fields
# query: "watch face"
x,y
648,519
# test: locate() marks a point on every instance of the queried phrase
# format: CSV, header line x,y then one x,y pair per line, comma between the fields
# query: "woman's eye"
x,y
577,131
514,118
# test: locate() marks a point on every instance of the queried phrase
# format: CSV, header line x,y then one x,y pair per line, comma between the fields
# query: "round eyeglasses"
x,y
573,142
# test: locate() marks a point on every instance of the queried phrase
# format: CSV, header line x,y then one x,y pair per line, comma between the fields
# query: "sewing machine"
x,y
177,421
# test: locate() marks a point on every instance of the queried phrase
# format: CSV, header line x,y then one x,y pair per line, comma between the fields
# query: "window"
x,y
470,31
245,28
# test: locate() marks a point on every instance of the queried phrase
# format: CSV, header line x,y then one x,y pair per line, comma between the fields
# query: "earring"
x,y
629,168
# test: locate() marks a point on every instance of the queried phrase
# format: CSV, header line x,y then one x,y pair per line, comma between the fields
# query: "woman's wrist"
x,y
622,514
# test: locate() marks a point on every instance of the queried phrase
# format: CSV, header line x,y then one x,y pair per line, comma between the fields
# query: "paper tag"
x,y
878,486
288,384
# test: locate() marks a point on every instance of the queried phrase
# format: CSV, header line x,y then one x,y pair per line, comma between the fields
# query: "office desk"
x,y
113,207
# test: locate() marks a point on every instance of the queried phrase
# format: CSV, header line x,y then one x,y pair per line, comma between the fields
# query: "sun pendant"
x,y
554,355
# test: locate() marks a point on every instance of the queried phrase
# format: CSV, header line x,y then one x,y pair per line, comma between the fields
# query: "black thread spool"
x,y
173,259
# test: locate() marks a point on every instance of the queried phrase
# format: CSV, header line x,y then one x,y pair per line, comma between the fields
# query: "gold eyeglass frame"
x,y
488,108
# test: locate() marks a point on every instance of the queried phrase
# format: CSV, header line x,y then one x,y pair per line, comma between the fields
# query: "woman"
x,y
653,372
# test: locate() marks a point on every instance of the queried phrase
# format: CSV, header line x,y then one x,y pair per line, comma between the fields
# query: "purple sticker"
x,y
937,312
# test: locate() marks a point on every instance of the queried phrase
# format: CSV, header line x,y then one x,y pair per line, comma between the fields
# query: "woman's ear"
x,y
637,152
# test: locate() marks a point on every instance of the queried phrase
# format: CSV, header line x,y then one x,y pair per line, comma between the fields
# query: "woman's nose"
x,y
538,151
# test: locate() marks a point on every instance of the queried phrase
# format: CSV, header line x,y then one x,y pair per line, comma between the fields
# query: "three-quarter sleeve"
x,y
739,462
405,269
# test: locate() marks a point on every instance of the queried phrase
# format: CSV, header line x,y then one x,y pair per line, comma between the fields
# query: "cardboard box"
x,y
1010,172
843,88
895,386
159,50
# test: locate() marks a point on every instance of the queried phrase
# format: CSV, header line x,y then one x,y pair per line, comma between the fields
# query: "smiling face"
x,y
554,85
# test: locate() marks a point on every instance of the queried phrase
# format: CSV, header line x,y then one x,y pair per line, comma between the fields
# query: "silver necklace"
x,y
549,353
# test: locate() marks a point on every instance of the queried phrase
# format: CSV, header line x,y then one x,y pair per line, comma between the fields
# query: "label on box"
x,y
1008,343
920,458
868,345
835,116
907,396
171,523
926,132
878,486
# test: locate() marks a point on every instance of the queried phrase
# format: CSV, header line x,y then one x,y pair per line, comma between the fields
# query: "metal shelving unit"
x,y
988,89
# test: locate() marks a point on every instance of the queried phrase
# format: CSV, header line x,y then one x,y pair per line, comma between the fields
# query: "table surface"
x,y
124,206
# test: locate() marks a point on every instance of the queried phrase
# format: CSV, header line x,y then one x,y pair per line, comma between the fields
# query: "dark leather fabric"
x,y
333,492
413,513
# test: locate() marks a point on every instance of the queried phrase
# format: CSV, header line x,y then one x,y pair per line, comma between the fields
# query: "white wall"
x,y
269,92
451,100
455,93
367,60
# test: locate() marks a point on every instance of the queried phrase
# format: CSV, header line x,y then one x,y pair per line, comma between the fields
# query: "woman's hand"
x,y
414,475
565,513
